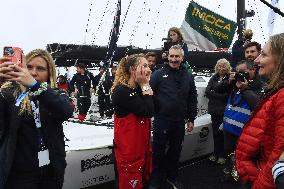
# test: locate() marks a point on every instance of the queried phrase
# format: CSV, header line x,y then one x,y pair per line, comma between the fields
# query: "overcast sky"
x,y
34,23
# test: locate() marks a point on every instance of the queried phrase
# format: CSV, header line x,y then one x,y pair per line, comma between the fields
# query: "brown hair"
x,y
251,44
122,73
177,31
277,49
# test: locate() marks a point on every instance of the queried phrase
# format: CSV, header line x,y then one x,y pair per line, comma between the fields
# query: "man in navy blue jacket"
x,y
175,100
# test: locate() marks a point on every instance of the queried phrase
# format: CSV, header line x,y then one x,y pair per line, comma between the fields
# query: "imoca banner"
x,y
206,30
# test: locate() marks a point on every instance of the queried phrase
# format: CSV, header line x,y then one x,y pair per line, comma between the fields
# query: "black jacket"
x,y
280,182
255,92
103,86
54,109
175,96
217,91
83,84
238,52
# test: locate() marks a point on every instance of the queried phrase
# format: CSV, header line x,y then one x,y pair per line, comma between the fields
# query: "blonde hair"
x,y
277,49
225,62
50,64
19,88
122,74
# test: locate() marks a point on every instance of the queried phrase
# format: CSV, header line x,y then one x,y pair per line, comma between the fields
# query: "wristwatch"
x,y
145,88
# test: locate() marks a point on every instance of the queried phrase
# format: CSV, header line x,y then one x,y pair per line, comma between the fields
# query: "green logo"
x,y
217,29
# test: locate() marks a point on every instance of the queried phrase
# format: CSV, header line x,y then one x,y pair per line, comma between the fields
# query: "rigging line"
x,y
124,19
100,23
260,23
148,26
275,9
136,26
157,16
88,21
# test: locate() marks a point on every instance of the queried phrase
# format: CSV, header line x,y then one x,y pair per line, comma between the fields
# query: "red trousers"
x,y
133,151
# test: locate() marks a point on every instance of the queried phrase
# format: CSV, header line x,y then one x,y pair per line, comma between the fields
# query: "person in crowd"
x,y
246,93
252,50
217,91
133,105
278,172
110,109
262,140
103,83
175,99
175,35
32,147
62,83
152,59
238,52
81,84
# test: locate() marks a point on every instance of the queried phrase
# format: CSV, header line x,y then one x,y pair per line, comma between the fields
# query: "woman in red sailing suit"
x,y
133,106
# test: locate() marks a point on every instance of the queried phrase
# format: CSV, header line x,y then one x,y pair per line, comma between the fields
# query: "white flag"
x,y
272,16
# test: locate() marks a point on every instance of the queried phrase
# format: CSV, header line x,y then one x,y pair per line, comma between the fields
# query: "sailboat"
x,y
89,144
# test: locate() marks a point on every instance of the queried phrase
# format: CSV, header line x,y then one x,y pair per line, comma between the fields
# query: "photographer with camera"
x,y
246,92
174,38
238,51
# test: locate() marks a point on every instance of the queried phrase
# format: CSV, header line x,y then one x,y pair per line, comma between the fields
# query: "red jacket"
x,y
262,142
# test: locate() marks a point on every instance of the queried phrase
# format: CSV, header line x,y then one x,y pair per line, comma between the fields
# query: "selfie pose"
x,y
32,148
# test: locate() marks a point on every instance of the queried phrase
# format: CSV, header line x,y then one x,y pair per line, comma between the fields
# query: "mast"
x,y
241,16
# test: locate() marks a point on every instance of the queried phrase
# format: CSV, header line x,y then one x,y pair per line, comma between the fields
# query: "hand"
x,y
189,126
5,67
20,75
232,77
142,75
242,85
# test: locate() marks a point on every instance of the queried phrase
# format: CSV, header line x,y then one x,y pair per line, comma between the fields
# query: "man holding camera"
x,y
247,89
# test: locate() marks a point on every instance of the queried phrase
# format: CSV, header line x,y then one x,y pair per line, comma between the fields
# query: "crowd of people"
x,y
245,104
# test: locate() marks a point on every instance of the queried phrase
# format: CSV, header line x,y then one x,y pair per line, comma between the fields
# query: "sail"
x,y
272,16
205,30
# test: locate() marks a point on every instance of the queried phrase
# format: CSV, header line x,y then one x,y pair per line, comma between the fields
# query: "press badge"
x,y
43,158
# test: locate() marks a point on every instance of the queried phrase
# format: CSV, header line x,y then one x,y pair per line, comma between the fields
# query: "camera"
x,y
241,76
168,44
15,54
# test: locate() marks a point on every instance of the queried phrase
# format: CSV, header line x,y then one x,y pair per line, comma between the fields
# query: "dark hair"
x,y
251,44
80,65
63,78
151,54
102,68
249,63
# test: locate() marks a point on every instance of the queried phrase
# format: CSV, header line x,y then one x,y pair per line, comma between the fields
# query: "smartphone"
x,y
15,53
